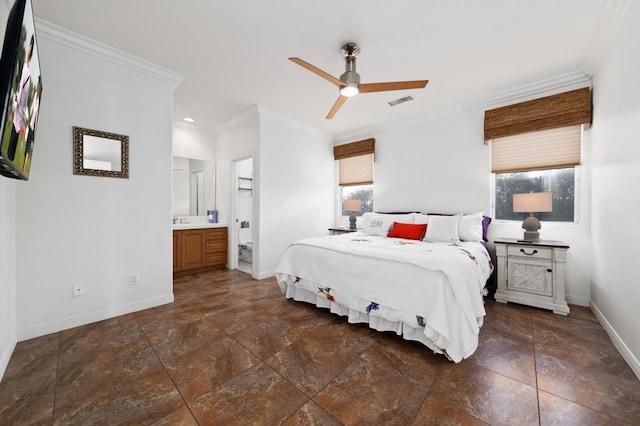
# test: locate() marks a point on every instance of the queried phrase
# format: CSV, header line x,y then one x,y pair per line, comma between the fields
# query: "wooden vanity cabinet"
x,y
199,250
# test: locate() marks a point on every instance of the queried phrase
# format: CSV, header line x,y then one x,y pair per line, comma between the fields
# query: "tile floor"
x,y
232,350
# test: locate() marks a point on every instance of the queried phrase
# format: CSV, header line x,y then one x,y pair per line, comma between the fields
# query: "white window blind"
x,y
546,149
356,170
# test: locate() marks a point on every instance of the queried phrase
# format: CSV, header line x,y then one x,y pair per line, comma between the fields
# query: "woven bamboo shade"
x,y
354,149
561,110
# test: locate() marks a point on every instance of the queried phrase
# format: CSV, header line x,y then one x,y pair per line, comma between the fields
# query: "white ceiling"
x,y
234,53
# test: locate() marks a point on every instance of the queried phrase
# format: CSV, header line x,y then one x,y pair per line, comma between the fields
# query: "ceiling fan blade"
x,y
394,85
317,71
341,100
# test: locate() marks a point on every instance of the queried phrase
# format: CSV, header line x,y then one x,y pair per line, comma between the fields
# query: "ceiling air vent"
x,y
400,101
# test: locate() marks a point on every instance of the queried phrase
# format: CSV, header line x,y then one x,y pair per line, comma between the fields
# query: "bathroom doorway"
x,y
196,207
244,213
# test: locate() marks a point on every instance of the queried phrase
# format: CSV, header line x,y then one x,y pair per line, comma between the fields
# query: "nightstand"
x,y
532,273
337,231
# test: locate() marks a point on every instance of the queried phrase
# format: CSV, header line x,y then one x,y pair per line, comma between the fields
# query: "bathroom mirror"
x,y
194,186
97,153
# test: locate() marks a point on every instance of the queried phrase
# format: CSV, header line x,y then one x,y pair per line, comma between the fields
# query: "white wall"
x,y
293,182
297,186
442,165
8,336
191,142
615,289
94,230
437,166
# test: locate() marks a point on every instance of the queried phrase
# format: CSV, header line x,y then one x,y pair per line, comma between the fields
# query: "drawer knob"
x,y
529,254
549,270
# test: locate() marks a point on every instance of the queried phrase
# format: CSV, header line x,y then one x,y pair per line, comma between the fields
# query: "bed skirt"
x,y
408,332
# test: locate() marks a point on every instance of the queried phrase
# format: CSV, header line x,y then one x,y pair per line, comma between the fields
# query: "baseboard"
x,y
5,357
263,275
578,300
617,341
67,323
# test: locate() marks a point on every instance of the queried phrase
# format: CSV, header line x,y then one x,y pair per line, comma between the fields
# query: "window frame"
x,y
578,182
577,200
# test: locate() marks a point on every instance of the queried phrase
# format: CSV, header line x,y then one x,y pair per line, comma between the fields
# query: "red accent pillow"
x,y
409,231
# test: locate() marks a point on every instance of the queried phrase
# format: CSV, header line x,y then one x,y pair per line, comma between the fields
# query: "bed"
x,y
425,286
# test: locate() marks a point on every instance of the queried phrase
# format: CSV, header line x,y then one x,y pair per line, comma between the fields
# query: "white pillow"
x,y
364,220
379,223
442,228
470,228
420,219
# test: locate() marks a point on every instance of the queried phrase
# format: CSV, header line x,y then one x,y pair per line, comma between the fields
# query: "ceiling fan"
x,y
349,82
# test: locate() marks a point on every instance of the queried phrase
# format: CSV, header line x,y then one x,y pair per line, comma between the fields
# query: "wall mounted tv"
x,y
20,90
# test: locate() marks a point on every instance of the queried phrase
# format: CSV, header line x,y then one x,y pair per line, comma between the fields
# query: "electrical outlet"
x,y
78,289
134,279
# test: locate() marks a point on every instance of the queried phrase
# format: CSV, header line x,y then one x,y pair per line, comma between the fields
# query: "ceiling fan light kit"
x,y
349,82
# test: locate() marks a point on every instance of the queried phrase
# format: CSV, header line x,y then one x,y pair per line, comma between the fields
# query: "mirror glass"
x,y
194,186
98,153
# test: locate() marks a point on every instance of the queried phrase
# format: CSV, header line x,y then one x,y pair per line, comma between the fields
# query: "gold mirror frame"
x,y
79,155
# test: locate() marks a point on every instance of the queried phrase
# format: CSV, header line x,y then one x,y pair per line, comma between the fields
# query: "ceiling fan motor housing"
x,y
350,75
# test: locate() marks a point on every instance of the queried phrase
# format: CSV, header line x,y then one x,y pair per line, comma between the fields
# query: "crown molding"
x,y
551,86
264,112
192,127
258,111
240,119
62,36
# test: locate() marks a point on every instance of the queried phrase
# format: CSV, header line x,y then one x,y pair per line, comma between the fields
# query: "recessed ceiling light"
x,y
189,119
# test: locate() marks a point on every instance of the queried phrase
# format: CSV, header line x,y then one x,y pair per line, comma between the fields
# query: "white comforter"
x,y
430,292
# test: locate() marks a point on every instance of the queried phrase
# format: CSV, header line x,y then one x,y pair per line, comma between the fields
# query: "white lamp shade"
x,y
352,205
532,202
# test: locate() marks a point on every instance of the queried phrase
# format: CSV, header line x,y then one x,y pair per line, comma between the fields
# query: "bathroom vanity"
x,y
199,248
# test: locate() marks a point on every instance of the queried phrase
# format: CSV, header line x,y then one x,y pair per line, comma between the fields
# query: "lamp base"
x,y
531,236
352,221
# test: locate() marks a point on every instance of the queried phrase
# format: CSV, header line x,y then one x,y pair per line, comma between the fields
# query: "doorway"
x,y
243,172
196,204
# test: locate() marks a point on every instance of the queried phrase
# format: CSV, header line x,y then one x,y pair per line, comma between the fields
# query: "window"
x,y
560,182
536,146
355,180
364,193
537,162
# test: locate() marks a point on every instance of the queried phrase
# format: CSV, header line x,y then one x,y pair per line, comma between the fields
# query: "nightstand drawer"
x,y
531,252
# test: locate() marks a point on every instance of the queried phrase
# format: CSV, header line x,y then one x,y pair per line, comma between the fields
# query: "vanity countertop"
x,y
179,226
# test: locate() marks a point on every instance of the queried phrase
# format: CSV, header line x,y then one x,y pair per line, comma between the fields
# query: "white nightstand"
x,y
532,273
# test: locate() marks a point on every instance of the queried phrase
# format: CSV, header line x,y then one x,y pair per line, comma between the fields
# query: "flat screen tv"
x,y
20,91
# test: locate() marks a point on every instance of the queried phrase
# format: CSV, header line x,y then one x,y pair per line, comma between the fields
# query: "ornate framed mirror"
x,y
97,153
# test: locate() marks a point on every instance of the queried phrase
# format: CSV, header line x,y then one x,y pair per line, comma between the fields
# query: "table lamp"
x,y
532,202
352,206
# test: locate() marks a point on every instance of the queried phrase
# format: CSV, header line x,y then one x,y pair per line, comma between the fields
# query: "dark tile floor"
x,y
232,350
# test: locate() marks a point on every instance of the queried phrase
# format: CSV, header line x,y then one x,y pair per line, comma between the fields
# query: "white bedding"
x,y
429,292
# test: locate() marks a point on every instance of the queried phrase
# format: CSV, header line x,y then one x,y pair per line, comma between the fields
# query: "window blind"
x,y
356,170
560,110
547,149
